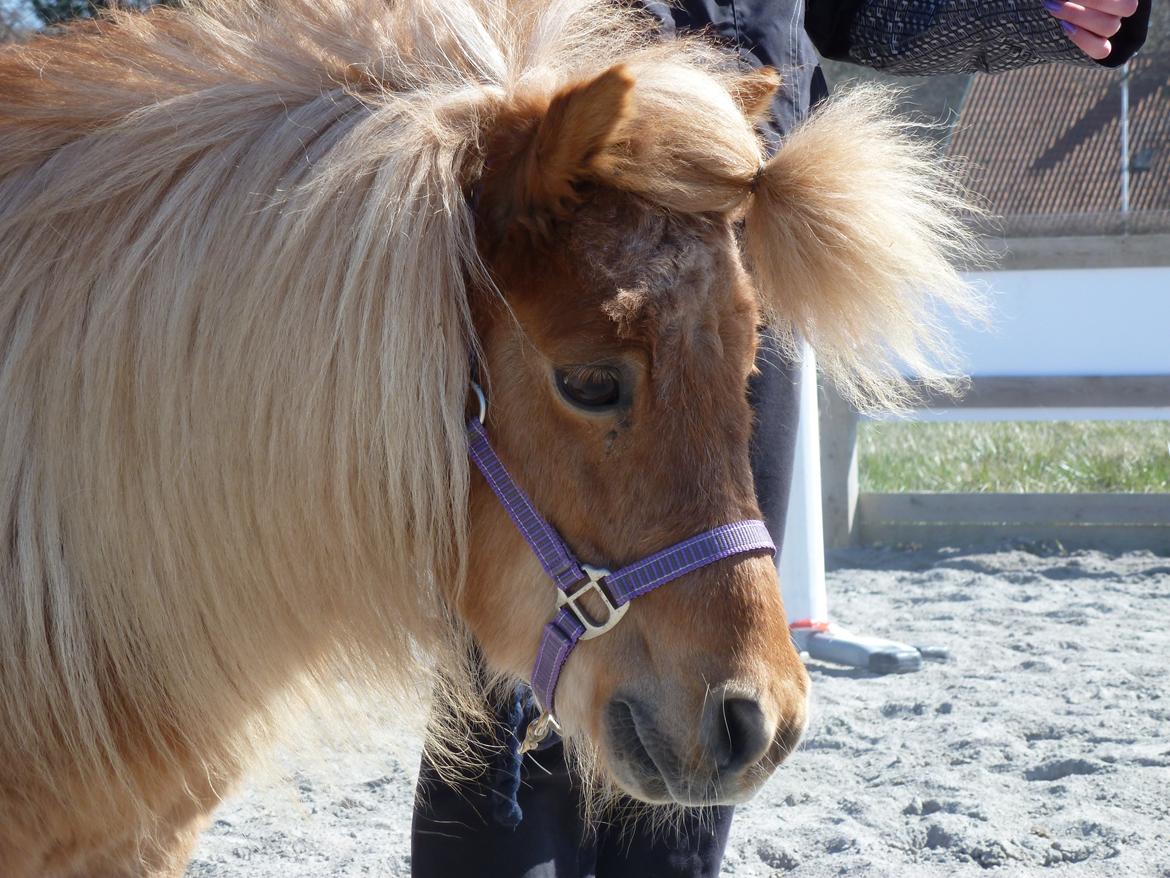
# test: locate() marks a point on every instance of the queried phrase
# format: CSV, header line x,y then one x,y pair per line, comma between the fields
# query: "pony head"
x,y
635,243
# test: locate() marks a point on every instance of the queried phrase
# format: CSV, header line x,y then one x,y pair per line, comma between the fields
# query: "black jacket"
x,y
901,36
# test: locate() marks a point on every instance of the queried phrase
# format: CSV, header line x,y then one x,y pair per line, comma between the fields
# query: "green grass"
x,y
1054,456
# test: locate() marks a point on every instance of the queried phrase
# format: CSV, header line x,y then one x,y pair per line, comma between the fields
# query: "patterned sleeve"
x,y
960,36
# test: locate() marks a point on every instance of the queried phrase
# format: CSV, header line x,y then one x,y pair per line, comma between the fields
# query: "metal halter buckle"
x,y
613,614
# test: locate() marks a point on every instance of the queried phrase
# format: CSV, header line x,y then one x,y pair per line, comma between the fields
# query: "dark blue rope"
x,y
514,716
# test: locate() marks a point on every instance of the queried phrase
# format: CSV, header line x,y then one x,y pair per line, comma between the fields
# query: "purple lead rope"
x,y
571,623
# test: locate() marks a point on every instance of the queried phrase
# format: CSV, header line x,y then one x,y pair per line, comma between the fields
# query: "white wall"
x,y
1085,321
1091,321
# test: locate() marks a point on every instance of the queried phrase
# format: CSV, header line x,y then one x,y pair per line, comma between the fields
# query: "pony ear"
x,y
753,92
854,235
540,155
582,122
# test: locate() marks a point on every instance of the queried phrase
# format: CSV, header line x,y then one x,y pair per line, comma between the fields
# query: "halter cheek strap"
x,y
572,622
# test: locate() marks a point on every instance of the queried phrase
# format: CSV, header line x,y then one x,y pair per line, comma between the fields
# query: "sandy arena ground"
x,y
1041,747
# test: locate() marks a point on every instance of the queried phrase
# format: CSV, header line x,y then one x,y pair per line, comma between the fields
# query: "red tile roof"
x,y
1043,146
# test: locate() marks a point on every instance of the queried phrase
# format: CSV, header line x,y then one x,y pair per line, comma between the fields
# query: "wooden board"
x,y
1110,522
1076,509
1103,538
1059,391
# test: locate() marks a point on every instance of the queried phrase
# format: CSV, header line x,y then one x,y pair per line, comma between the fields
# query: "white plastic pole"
x,y
802,560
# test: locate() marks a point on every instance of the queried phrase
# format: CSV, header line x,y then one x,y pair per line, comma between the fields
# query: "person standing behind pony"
x,y
524,819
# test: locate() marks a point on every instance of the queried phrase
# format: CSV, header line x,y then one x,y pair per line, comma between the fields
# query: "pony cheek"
x,y
506,615
506,599
586,684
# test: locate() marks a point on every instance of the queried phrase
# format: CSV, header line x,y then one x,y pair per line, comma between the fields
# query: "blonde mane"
x,y
235,249
235,338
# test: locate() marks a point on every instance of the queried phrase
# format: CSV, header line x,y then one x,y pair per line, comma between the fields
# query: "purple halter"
x,y
574,579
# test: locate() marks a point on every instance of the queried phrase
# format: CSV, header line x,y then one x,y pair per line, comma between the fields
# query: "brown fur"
x,y
240,277
753,92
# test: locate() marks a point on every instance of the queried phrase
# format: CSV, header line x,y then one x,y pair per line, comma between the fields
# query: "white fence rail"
x,y
1076,344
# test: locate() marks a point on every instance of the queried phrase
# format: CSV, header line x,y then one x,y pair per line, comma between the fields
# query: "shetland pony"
x,y
247,251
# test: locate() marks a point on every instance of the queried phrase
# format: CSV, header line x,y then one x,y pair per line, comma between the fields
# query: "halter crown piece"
x,y
573,580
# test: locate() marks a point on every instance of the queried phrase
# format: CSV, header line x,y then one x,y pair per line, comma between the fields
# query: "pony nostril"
x,y
739,735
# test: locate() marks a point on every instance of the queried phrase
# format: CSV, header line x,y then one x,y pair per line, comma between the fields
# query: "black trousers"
x,y
455,833
455,836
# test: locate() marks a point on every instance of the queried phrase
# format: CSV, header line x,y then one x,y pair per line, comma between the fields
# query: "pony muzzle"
x,y
731,752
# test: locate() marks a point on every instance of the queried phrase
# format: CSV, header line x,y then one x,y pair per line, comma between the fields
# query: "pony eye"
x,y
594,387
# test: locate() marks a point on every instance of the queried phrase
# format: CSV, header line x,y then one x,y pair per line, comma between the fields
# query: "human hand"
x,y
1090,23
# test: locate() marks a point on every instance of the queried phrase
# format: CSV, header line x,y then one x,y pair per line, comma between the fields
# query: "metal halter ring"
x,y
613,614
482,401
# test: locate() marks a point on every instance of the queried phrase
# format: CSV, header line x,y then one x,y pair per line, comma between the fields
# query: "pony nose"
x,y
736,733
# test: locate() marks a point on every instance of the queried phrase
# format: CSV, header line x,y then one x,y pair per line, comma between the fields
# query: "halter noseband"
x,y
574,580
